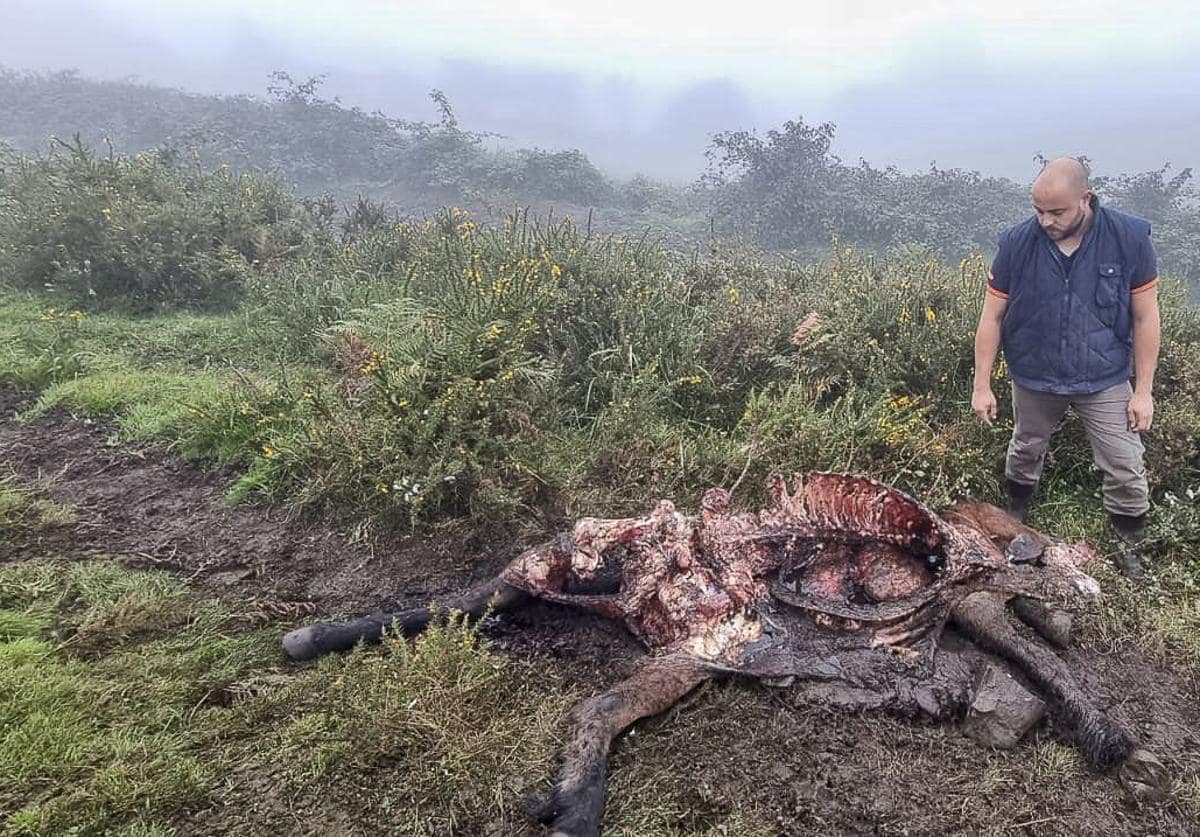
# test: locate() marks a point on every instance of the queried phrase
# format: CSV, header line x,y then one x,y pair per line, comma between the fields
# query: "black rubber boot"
x,y
1020,498
1131,532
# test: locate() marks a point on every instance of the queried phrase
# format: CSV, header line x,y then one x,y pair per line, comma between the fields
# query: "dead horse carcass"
x,y
843,587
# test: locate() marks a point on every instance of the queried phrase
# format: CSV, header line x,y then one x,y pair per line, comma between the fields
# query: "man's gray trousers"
x,y
1116,449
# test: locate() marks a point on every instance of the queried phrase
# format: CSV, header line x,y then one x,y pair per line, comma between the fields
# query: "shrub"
x,y
138,233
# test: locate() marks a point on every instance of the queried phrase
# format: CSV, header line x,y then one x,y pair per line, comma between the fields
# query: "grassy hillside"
x,y
310,143
784,189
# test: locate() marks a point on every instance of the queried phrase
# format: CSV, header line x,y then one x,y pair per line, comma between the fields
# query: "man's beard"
x,y
1074,228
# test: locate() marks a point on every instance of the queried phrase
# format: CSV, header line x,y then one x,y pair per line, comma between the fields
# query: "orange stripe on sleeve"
x,y
1145,286
994,292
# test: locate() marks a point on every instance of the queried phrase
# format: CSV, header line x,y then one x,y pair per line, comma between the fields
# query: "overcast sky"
x,y
640,85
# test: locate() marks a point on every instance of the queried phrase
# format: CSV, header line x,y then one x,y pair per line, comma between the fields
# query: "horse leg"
x,y
576,803
982,616
1053,624
323,638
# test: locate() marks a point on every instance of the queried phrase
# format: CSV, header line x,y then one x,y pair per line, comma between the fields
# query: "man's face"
x,y
1060,211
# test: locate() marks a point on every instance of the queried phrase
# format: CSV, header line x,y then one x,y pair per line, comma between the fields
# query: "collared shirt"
x,y
1068,325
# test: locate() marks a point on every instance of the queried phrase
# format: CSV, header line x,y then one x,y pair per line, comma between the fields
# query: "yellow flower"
x,y
381,488
734,294
268,451
930,315
555,271
306,394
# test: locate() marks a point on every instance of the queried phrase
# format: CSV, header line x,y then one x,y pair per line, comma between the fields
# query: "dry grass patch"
x,y
22,511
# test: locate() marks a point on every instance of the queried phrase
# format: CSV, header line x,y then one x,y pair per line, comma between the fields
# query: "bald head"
x,y
1063,175
1062,197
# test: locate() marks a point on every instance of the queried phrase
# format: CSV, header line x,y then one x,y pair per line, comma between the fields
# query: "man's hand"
x,y
983,402
1140,411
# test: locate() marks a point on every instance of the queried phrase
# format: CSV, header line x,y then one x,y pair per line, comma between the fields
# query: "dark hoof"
x,y
1144,777
330,637
1105,744
301,644
1024,549
540,806
1130,566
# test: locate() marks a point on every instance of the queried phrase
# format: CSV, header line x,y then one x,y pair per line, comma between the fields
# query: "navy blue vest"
x,y
1071,332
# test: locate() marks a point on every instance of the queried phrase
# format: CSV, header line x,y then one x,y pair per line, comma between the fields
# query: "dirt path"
x,y
150,509
735,744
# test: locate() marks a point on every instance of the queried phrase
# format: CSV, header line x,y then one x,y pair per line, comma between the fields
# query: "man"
x,y
1072,297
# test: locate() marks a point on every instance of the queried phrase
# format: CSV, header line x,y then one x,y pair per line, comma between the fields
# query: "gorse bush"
x,y
450,355
480,371
139,233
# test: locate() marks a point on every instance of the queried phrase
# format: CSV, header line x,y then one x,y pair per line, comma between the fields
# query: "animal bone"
x,y
843,587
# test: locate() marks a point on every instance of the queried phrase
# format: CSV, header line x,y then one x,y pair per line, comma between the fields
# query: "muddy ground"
x,y
801,767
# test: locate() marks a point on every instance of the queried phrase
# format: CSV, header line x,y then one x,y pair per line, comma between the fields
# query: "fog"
x,y
640,87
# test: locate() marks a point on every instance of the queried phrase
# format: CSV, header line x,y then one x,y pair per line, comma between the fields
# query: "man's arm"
x,y
987,346
1146,340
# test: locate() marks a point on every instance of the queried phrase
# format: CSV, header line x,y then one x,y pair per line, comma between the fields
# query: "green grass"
x,y
455,733
126,702
195,382
96,730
